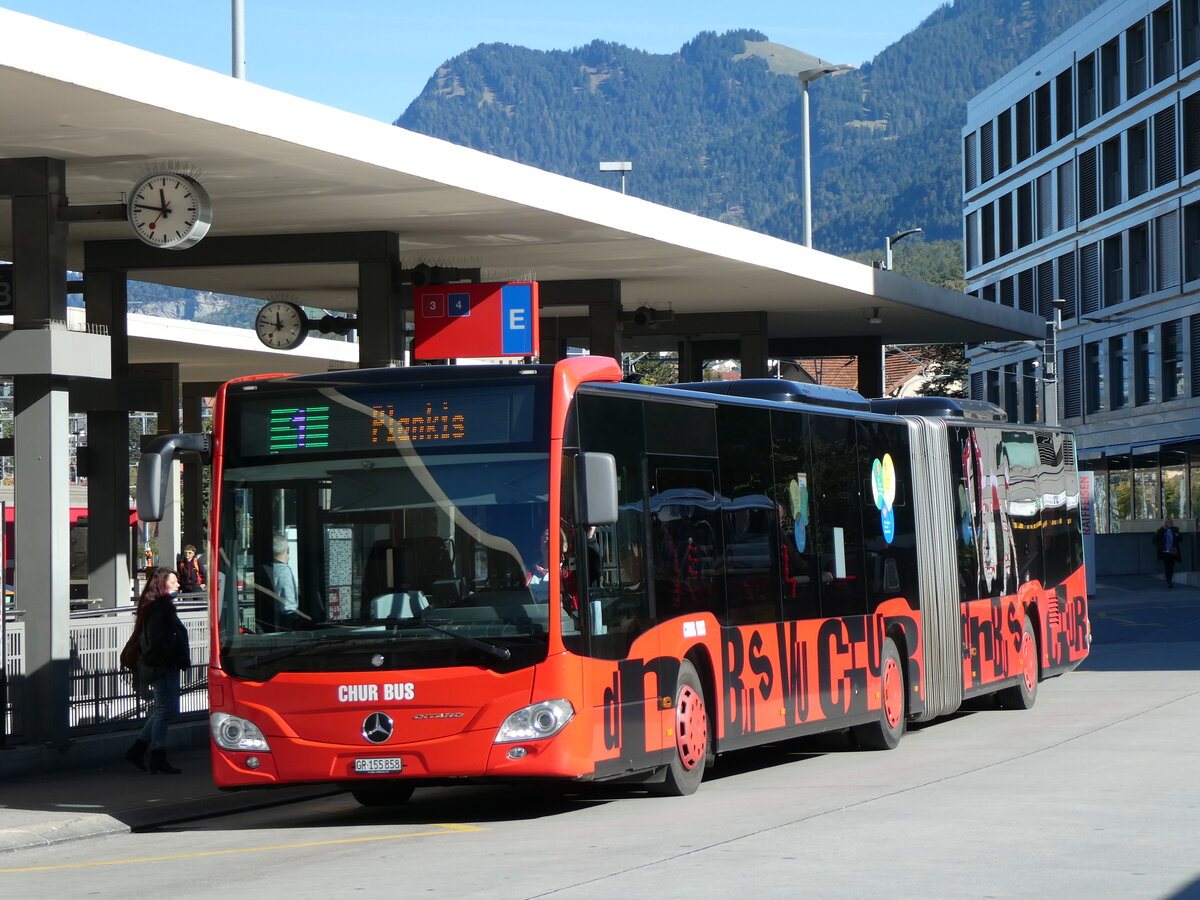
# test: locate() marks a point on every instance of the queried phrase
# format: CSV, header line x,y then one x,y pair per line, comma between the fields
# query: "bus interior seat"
x,y
406,565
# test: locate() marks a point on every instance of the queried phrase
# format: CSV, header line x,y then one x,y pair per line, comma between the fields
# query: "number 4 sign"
x,y
475,320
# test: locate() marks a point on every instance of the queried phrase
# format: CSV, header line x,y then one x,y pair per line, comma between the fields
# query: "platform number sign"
x,y
475,320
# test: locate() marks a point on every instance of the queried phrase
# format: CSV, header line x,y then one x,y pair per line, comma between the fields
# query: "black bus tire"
x,y
383,794
885,733
1023,694
692,736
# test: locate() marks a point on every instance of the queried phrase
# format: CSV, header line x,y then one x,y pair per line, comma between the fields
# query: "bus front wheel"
x,y
885,733
686,769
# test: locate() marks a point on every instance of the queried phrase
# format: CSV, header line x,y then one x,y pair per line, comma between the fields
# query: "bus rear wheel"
x,y
1023,694
383,794
686,770
885,733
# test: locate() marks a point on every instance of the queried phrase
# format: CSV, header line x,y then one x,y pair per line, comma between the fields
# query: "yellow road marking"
x,y
447,828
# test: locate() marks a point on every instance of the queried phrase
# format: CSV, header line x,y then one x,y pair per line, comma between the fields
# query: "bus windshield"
x,y
356,535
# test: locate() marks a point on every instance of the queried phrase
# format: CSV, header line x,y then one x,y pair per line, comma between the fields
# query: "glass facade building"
x,y
1081,192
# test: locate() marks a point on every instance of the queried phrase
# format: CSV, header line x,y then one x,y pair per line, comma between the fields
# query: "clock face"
x,y
170,211
281,325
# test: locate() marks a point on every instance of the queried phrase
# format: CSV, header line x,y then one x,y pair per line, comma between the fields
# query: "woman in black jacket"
x,y
162,654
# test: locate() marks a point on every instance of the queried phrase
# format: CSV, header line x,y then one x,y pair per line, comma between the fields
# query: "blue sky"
x,y
373,57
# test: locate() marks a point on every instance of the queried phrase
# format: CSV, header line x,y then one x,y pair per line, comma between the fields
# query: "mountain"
x,y
715,128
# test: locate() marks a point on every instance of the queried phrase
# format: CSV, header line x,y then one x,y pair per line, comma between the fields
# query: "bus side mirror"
x,y
597,488
154,467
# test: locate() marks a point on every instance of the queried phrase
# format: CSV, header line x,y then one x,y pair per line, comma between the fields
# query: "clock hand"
x,y
143,206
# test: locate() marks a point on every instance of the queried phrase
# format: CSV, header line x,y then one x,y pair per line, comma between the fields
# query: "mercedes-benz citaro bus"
x,y
432,575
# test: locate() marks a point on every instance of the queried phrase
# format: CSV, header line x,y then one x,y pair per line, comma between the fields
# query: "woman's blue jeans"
x,y
166,708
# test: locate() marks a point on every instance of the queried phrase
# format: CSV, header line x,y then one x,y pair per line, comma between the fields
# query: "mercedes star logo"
x,y
377,727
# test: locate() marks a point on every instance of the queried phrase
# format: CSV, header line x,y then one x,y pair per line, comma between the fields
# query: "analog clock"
x,y
169,210
281,325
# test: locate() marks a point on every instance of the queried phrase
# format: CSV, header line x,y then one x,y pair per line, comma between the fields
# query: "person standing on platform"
x,y
1166,541
162,654
191,573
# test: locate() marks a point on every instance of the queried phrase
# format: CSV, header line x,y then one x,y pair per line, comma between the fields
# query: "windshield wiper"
x,y
500,653
259,661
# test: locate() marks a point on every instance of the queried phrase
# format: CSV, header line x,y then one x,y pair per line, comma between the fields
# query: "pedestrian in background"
x,y
162,654
1166,541
191,573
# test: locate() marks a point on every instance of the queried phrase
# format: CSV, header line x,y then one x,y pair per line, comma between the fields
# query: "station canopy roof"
x,y
275,164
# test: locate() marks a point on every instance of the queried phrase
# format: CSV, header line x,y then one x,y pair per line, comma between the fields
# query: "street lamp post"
x,y
623,167
806,77
889,241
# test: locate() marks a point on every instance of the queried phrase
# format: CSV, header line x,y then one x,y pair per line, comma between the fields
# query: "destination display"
x,y
362,421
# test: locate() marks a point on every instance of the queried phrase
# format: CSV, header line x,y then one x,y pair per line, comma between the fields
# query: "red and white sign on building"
x,y
452,321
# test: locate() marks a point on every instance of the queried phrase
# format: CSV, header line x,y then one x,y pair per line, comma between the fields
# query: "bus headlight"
x,y
236,733
541,720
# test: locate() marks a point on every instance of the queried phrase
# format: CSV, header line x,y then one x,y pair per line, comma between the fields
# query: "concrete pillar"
x,y
753,350
381,313
870,366
108,451
42,465
604,327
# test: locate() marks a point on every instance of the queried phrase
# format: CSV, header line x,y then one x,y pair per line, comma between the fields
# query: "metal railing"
x,y
103,698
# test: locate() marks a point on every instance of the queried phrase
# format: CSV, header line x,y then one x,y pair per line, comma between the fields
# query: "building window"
x,y
1066,196
1024,128
1025,215
1114,270
972,240
1118,372
1138,149
1191,242
1146,488
1042,118
1120,494
1004,224
1166,167
1191,133
1064,107
1007,292
1135,59
1089,278
1085,86
1088,200
1162,31
987,152
1093,374
1145,355
1004,145
970,163
1026,299
1066,283
1173,466
1011,397
1110,173
1071,401
1110,75
1029,391
987,232
992,378
1166,251
1189,31
1194,353
1139,260
1045,289
989,294
1045,205
1172,360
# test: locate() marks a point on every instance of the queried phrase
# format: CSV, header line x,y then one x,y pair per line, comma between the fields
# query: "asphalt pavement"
x,y
49,795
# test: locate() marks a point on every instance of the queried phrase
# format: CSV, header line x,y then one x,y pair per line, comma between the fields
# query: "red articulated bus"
x,y
430,575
